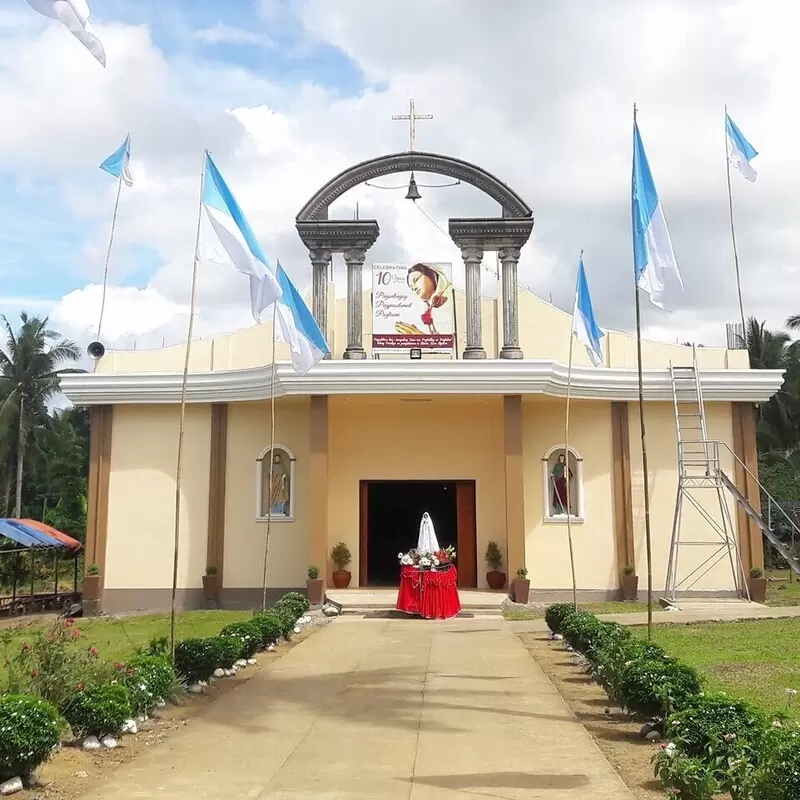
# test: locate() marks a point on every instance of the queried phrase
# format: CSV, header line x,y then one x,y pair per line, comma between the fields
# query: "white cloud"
x,y
541,95
228,34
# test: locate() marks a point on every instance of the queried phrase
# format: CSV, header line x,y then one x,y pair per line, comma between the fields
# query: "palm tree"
x,y
793,323
29,367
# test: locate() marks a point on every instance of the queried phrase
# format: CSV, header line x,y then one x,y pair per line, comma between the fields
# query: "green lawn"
x,y
613,607
757,660
780,590
116,639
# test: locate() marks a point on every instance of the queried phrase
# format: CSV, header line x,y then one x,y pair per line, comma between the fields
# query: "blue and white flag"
x,y
740,151
118,163
297,327
74,15
584,325
654,261
230,229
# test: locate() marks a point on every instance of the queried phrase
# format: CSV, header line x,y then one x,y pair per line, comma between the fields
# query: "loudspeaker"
x,y
96,350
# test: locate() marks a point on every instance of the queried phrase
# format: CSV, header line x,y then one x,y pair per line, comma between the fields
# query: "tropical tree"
x,y
30,363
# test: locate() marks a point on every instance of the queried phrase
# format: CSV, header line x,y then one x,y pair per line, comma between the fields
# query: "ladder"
x,y
699,468
698,472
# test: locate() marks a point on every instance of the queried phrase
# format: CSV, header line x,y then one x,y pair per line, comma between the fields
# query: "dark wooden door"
x,y
467,535
362,532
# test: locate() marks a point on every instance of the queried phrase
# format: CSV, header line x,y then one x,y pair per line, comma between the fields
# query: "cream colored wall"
x,y
248,437
544,334
546,543
141,512
663,484
389,439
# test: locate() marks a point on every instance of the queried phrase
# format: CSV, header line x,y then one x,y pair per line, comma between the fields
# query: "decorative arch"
x,y
316,208
283,477
552,511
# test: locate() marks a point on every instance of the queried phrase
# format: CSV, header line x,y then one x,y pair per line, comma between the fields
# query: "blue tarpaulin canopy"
x,y
27,536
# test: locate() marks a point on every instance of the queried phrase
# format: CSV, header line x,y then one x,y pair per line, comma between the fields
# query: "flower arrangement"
x,y
441,559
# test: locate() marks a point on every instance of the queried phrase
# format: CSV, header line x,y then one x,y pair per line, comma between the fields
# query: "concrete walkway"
x,y
383,709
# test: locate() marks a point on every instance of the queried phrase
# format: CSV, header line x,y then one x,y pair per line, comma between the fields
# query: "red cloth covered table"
x,y
431,594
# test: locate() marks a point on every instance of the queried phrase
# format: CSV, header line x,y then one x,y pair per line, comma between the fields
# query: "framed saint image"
x,y
412,307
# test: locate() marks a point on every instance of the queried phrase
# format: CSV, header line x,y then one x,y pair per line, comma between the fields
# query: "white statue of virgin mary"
x,y
427,542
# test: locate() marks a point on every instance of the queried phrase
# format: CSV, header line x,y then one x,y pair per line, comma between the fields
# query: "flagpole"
x,y
733,231
566,455
271,458
184,383
108,254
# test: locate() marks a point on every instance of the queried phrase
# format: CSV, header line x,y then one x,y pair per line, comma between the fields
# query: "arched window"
x,y
558,467
276,484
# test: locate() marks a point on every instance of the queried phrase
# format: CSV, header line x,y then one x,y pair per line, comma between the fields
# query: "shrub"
x,y
779,775
557,614
269,626
196,659
248,633
653,687
313,573
295,603
98,710
229,650
53,663
580,631
149,679
340,555
493,557
30,731
688,778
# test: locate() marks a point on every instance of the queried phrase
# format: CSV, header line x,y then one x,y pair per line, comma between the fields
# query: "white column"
x,y
509,257
320,262
472,264
355,322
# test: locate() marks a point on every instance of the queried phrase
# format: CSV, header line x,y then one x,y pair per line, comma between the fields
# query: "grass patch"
x,y
756,660
781,591
612,607
117,638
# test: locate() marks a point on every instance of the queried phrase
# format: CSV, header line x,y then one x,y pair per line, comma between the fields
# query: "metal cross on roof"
x,y
412,118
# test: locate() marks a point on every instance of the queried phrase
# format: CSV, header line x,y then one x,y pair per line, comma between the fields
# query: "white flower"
x,y
435,562
400,555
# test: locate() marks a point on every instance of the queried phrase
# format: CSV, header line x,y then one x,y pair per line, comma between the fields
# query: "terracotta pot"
x,y
630,587
758,589
211,586
521,590
495,579
91,587
316,591
341,578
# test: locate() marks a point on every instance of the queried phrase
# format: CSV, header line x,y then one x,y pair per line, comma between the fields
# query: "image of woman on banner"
x,y
429,283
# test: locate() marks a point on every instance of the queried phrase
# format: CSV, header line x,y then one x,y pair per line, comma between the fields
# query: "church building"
x,y
432,400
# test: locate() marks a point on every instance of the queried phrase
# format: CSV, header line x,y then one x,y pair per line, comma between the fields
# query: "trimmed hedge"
x,y
269,627
149,679
30,729
717,743
196,659
98,710
247,633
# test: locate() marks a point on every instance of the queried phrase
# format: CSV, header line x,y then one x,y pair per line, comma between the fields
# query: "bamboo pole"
x,y
108,256
271,460
566,457
733,232
184,384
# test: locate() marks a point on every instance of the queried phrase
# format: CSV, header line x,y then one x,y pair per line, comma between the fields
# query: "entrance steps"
x,y
368,601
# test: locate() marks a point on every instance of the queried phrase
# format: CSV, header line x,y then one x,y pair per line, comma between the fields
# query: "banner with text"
x,y
412,307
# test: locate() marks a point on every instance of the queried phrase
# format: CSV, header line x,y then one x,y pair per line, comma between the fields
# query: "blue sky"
x,y
42,238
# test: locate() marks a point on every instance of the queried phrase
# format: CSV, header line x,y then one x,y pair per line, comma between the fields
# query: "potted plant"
x,y
494,558
630,583
91,583
340,555
315,587
211,583
521,588
757,584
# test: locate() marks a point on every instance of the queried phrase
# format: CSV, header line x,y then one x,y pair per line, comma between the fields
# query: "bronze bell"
x,y
413,192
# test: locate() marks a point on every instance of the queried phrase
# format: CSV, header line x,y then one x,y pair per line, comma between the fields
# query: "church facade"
x,y
361,444
366,442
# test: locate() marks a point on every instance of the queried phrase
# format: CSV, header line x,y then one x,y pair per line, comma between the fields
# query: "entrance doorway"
x,y
390,515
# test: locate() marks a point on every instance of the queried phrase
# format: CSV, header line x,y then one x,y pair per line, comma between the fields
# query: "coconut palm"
x,y
29,366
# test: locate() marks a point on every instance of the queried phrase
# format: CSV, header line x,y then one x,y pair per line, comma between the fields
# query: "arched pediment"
x,y
510,202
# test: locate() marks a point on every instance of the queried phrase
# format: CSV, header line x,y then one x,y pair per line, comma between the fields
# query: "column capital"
x,y
355,255
509,253
319,255
472,254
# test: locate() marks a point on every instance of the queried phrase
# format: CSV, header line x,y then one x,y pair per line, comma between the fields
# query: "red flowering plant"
x,y
52,664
